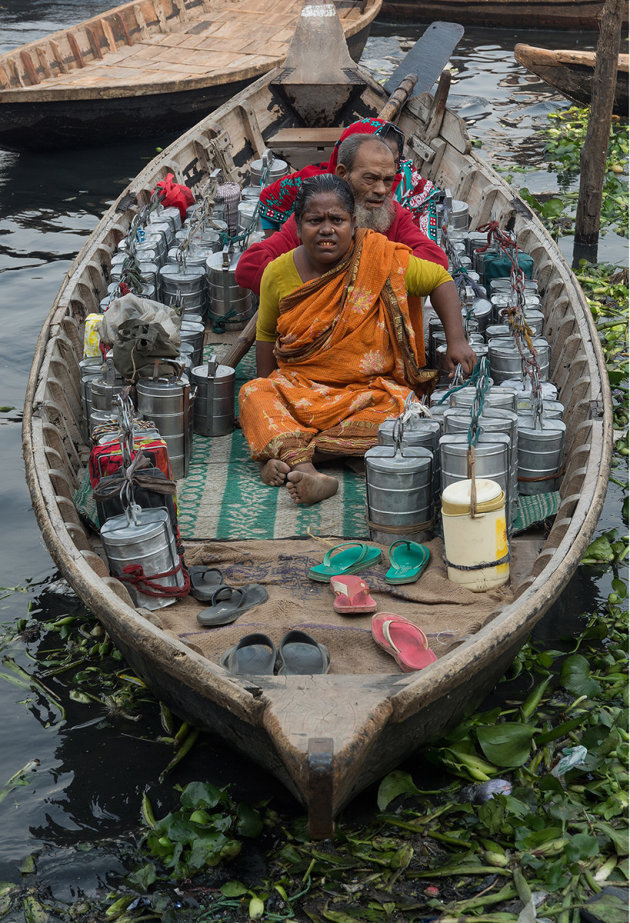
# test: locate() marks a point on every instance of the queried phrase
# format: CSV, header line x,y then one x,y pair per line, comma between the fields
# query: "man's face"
x,y
371,179
372,175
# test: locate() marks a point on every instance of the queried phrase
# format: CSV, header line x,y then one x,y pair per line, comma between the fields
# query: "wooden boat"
x,y
148,66
326,737
565,15
571,73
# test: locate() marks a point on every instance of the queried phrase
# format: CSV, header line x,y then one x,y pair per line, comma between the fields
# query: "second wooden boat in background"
x,y
148,66
571,73
578,15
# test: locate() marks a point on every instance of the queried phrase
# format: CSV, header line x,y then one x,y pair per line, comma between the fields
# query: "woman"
x,y
336,351
419,196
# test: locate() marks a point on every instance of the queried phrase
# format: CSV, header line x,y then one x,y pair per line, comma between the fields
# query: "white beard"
x,y
378,219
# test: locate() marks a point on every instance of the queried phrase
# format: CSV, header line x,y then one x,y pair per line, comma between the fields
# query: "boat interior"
x,y
160,42
227,517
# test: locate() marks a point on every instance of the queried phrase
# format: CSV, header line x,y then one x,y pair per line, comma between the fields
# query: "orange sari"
x,y
347,359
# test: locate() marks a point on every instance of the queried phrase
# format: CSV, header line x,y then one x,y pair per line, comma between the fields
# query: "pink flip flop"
x,y
352,595
399,637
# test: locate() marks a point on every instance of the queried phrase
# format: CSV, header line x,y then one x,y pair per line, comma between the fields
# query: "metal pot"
x,y
399,483
540,449
492,460
276,170
145,537
214,400
228,302
167,402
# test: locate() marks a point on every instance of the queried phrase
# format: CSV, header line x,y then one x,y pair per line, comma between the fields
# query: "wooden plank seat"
x,y
301,146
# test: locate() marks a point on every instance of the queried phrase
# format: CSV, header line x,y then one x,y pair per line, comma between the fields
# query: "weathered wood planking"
x,y
578,15
185,56
571,73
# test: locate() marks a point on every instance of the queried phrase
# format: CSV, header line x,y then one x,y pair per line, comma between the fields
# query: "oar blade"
x,y
428,56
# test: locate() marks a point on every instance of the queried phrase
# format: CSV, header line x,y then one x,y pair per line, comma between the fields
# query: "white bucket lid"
x,y
459,492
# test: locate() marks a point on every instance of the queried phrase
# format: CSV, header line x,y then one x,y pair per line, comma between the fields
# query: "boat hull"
x,y
572,74
325,737
565,15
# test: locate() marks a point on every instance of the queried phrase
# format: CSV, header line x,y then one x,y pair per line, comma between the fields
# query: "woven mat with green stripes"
x,y
224,497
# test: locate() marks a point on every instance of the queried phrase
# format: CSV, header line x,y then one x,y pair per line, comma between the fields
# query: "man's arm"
x,y
404,230
251,265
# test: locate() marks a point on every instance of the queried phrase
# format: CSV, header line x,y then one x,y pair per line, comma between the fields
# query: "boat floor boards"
x,y
215,44
448,614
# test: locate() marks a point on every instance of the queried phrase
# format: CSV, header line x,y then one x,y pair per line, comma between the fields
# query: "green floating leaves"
x,y
506,745
233,889
599,552
617,835
609,907
143,877
203,832
393,785
581,846
576,676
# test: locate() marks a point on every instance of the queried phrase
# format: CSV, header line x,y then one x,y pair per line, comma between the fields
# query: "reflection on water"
x,y
95,764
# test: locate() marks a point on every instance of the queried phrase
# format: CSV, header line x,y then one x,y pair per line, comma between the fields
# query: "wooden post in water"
x,y
593,156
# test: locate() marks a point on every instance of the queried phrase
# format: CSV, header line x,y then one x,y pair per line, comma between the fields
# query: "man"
x,y
367,164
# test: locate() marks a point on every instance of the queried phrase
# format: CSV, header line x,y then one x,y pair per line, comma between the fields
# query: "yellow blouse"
x,y
281,277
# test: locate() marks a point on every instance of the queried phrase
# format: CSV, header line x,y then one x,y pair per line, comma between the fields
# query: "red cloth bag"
x,y
175,194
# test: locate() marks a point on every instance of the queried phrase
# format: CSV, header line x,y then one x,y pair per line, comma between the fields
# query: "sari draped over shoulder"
x,y
347,359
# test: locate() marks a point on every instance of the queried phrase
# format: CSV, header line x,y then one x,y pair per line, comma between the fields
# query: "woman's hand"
x,y
460,353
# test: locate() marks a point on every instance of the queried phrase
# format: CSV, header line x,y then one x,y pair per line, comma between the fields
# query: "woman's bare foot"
x,y
307,485
274,472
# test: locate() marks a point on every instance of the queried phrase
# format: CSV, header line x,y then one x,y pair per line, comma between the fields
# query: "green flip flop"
x,y
346,558
407,560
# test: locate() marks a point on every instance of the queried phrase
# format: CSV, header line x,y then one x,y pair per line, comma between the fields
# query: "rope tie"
x,y
219,325
401,530
147,583
504,560
133,476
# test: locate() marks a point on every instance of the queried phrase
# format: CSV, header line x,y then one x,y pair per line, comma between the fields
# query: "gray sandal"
x,y
204,581
299,654
228,603
254,654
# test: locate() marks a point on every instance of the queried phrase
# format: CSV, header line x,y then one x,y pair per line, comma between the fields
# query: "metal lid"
x,y
215,260
160,386
527,424
222,371
175,272
119,531
459,441
384,458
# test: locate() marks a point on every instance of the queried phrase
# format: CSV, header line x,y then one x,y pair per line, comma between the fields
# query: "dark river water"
x,y
93,765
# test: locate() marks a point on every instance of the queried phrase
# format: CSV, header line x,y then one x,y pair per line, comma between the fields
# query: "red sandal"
x,y
401,638
352,595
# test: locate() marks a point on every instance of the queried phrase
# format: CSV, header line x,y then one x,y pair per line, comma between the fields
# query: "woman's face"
x,y
326,230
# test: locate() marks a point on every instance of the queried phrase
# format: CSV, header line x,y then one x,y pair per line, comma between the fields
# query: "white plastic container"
x,y
470,542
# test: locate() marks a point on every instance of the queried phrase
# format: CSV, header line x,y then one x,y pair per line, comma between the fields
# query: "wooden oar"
x,y
428,56
242,345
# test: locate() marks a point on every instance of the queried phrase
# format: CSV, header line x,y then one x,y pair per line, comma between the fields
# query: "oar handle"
x,y
242,344
398,98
